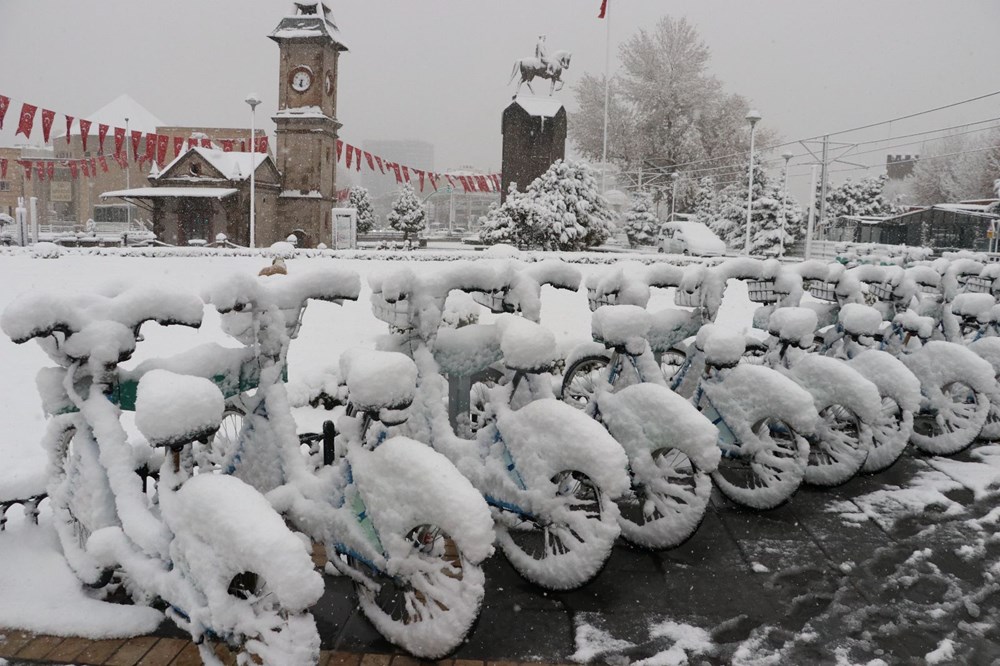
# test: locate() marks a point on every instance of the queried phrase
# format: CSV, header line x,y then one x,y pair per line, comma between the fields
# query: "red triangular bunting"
x,y
406,174
162,143
178,145
104,163
420,176
340,149
84,131
433,178
85,165
378,161
119,140
102,132
357,158
4,105
136,140
73,169
227,145
27,120
206,143
69,129
41,170
150,146
371,162
48,117
50,170
350,155
260,144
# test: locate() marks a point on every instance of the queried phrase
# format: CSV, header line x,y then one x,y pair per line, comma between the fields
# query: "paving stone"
x,y
343,659
188,656
163,652
39,647
68,650
376,660
100,651
12,640
132,651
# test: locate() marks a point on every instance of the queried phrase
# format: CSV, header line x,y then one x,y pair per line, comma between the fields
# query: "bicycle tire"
x,y
580,381
429,607
665,510
569,545
955,428
838,449
766,472
890,435
671,361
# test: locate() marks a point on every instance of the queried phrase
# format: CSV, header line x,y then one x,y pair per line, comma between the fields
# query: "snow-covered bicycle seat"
x,y
467,350
859,320
621,327
105,341
793,325
721,348
672,326
911,322
174,410
973,306
378,380
526,346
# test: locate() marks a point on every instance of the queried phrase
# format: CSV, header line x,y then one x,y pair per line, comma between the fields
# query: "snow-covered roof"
x,y
232,165
300,112
546,107
114,113
170,192
312,18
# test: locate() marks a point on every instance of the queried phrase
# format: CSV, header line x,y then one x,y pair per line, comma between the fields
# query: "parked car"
x,y
690,238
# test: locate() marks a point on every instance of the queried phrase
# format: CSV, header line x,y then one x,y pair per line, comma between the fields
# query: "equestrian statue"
x,y
544,66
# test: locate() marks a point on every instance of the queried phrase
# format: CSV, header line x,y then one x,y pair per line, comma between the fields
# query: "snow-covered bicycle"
x,y
549,473
208,545
393,514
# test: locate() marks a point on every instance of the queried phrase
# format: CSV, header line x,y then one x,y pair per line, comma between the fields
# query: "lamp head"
x,y
753,116
252,100
787,155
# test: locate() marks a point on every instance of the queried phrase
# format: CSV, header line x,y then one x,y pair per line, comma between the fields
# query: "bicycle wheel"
x,y
479,401
754,352
838,448
430,604
267,634
890,434
952,425
218,453
765,471
663,511
671,361
569,545
79,497
580,381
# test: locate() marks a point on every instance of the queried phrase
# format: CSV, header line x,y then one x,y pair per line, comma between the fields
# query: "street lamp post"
x,y
787,155
753,117
673,194
253,101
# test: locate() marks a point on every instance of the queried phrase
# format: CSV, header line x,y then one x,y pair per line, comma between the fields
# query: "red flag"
x,y
27,120
260,144
433,178
340,149
69,128
4,105
378,161
84,131
206,143
150,146
93,166
26,165
464,182
406,174
604,9
85,165
350,155
119,140
50,170
357,158
162,143
243,146
371,162
122,160
3,168
48,117
73,169
104,163
178,145
496,181
136,139
102,132
483,185
395,170
41,170
192,143
420,175
451,183
227,145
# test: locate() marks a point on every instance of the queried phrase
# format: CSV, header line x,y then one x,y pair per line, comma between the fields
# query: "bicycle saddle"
x,y
859,320
793,325
174,410
378,380
621,326
721,348
526,346
973,306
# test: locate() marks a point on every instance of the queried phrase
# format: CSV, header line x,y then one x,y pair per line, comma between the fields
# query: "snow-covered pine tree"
x,y
766,222
407,215
509,223
862,197
641,225
573,215
359,199
728,213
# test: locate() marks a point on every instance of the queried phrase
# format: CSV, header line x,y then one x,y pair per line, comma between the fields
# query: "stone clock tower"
x,y
307,123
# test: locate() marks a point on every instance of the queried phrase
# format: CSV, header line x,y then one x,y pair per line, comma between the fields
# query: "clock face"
x,y
328,83
301,79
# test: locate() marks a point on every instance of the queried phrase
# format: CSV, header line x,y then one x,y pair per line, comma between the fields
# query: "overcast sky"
x,y
437,70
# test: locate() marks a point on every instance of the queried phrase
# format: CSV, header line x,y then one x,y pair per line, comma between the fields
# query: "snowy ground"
x,y
905,562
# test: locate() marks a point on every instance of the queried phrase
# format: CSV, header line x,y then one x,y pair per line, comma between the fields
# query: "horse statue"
x,y
535,67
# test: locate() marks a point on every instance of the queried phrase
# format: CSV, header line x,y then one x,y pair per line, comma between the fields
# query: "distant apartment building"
x,y
898,167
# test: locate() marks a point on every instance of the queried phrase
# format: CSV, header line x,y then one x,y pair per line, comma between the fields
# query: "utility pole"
x,y
825,165
812,212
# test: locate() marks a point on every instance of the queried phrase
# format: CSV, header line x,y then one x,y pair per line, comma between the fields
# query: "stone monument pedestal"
x,y
534,137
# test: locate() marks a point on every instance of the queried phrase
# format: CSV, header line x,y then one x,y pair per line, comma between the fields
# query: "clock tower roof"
x,y
311,20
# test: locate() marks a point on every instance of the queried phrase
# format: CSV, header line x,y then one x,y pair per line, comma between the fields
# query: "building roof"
x,y
968,210
312,18
232,165
546,107
171,192
114,114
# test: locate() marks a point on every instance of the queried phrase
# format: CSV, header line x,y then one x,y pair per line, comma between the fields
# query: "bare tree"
x,y
955,168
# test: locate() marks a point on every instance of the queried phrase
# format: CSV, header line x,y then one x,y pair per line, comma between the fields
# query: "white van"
x,y
692,238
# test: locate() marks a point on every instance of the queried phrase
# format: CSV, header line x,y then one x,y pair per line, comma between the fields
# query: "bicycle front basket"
x,y
687,299
396,314
824,291
494,300
977,284
762,291
880,291
596,301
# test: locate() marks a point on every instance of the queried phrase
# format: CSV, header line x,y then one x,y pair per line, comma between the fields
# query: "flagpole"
x,y
607,90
